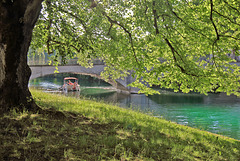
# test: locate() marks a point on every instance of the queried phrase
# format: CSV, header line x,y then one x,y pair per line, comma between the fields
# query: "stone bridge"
x,y
95,71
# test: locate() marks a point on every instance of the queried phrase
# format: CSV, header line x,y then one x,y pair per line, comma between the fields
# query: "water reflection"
x,y
216,113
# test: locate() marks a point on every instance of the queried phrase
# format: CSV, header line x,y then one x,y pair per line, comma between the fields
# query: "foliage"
x,y
88,130
182,45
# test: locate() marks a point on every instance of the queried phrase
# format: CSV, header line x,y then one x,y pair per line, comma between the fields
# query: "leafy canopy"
x,y
182,45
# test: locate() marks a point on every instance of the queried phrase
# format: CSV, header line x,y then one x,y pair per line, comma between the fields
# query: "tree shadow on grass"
x,y
55,135
65,136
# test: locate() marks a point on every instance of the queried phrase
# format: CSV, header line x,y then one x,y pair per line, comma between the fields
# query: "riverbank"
x,y
88,130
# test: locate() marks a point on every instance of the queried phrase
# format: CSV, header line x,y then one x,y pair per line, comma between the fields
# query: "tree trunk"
x,y
17,20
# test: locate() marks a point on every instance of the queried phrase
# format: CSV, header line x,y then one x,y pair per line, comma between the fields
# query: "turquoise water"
x,y
215,113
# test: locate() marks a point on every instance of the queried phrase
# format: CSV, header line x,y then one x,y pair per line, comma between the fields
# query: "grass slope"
x,y
88,130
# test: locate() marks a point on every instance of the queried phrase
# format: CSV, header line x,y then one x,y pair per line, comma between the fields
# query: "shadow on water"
x,y
177,98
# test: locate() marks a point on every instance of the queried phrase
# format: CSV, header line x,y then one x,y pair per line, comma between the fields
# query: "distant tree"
x,y
182,45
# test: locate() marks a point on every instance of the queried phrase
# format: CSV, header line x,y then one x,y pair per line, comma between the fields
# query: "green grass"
x,y
91,130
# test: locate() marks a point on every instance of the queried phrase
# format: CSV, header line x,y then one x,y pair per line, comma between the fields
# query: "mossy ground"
x,y
87,130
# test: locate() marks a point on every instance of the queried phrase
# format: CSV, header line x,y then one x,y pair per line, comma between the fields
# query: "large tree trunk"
x,y
17,20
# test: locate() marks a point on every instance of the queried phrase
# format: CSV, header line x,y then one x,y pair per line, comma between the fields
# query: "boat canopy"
x,y
70,78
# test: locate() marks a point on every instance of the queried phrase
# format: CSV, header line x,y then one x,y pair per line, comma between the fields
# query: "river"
x,y
215,113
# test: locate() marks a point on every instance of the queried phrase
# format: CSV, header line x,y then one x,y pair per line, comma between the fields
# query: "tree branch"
x,y
186,24
109,30
231,6
230,37
64,44
216,31
211,19
173,50
76,17
155,17
175,59
129,34
48,3
226,18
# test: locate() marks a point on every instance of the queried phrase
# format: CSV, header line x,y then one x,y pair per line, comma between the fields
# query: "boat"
x,y
71,84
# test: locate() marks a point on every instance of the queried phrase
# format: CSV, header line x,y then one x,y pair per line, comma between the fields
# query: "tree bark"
x,y
17,20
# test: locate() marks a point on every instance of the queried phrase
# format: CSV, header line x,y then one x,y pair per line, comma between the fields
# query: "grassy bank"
x,y
89,130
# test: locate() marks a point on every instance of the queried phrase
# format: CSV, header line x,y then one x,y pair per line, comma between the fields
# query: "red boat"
x,y
71,84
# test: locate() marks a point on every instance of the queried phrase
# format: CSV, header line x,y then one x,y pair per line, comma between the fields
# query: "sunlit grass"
x,y
98,131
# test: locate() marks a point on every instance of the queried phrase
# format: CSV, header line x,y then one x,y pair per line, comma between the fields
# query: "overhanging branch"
x,y
211,19
231,6
155,17
226,18
175,59
185,23
128,32
216,31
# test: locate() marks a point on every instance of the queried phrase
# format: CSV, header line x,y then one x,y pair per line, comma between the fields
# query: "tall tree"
x,y
181,45
17,20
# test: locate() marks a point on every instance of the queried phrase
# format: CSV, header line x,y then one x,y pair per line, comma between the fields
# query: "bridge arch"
x,y
43,70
